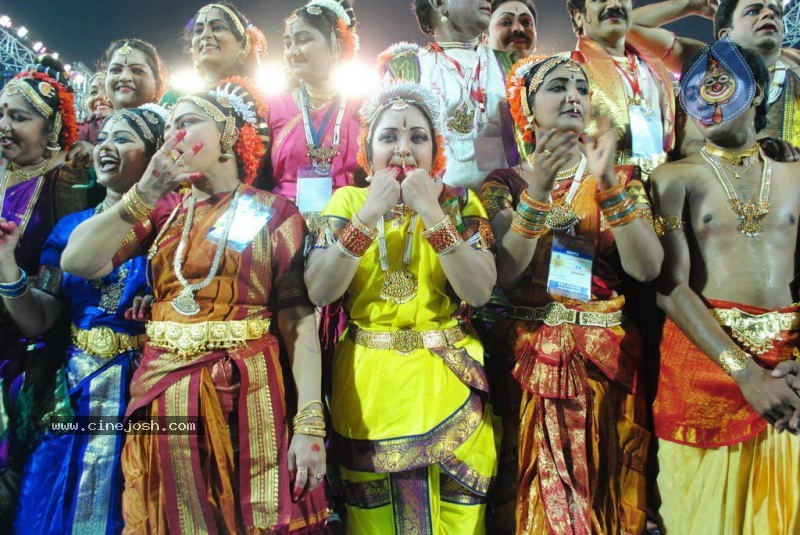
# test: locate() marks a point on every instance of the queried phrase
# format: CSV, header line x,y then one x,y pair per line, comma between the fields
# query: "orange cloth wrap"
x,y
697,403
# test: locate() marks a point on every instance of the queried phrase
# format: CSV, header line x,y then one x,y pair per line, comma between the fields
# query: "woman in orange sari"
x,y
569,231
224,256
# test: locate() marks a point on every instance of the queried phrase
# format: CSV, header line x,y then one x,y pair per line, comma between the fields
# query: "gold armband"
x,y
733,359
666,223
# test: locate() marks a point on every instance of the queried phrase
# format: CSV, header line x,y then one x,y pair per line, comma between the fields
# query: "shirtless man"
x,y
753,24
725,284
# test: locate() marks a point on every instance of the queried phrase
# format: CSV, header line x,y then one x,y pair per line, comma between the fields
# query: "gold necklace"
x,y
732,156
317,101
399,286
750,213
27,175
186,303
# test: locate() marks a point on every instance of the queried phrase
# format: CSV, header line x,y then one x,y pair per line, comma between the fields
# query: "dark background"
x,y
80,29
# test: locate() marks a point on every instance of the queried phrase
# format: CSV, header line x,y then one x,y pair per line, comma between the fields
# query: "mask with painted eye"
x,y
719,86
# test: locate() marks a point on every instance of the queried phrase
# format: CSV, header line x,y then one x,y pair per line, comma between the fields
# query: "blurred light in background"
x,y
187,81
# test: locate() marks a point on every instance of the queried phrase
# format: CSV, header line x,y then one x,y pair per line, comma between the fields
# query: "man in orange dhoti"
x,y
725,467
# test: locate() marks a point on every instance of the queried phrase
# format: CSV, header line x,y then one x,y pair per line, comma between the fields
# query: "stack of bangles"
x,y
134,209
355,238
444,236
16,289
310,421
529,218
617,206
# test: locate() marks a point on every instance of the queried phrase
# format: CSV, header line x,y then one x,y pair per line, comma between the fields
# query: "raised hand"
x,y
384,193
553,151
167,169
421,192
81,154
601,152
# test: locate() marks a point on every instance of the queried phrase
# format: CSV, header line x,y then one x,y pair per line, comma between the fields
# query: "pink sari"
x,y
289,152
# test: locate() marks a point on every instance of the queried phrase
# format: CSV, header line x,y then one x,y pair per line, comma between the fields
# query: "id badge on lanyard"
x,y
249,219
647,136
570,273
313,191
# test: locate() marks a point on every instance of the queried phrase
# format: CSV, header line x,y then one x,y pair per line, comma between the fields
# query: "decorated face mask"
x,y
719,85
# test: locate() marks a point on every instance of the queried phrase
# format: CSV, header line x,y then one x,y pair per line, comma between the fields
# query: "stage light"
x,y
5,21
22,31
271,78
355,78
68,68
54,55
38,47
79,79
187,81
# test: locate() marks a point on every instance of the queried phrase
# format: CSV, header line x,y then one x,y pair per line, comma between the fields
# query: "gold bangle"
x,y
134,209
307,405
310,432
733,359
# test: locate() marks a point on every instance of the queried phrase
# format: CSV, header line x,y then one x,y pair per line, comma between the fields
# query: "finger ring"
x,y
547,152
174,154
319,476
179,161
302,472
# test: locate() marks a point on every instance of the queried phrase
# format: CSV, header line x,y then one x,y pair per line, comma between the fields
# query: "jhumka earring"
x,y
228,139
52,137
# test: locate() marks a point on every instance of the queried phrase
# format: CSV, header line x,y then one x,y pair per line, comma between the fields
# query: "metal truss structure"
x,y
791,22
16,55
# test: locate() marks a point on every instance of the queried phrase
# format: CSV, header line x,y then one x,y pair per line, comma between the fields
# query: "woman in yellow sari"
x,y
413,433
569,231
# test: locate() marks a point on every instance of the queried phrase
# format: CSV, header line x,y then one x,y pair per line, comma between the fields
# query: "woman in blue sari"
x,y
73,481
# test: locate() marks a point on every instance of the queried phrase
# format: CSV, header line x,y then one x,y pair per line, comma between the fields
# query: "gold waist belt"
x,y
103,342
406,340
555,314
756,332
187,339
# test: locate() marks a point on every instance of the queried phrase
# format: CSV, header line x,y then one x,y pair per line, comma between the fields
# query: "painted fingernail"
x,y
195,176
181,134
197,147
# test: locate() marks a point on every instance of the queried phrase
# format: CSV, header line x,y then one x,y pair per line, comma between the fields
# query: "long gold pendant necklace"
x,y
399,286
186,303
750,213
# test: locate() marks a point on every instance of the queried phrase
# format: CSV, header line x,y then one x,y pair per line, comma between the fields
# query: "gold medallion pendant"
x,y
462,121
185,303
322,157
561,217
749,215
399,286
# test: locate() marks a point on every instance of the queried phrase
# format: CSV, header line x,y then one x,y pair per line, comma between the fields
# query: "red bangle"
x,y
353,242
444,236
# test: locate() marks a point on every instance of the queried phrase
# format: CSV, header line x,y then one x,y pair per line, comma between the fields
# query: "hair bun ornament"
x,y
235,97
334,7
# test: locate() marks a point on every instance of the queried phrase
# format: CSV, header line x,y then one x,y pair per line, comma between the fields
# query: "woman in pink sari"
x,y
315,128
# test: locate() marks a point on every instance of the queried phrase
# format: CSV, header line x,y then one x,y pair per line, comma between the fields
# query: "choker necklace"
x,y
732,156
750,213
318,100
466,45
186,303
27,175
399,286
